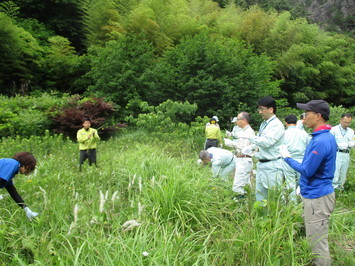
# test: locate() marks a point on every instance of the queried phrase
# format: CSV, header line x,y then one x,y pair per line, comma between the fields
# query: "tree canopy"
x,y
221,55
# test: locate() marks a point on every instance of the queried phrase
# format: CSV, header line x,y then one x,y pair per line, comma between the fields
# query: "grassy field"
x,y
181,215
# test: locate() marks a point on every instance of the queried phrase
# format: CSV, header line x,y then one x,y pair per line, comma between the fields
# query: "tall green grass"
x,y
185,216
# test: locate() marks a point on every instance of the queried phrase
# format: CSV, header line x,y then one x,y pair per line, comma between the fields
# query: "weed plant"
x,y
182,215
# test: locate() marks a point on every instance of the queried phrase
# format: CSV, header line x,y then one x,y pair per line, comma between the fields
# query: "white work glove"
x,y
351,143
343,146
199,162
30,214
221,145
228,133
284,151
298,191
247,150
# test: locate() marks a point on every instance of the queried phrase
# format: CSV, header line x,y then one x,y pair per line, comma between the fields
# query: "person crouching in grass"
x,y
23,162
88,139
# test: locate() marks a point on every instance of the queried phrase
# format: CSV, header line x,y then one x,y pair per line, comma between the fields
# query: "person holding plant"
x,y
317,173
244,163
266,146
23,162
88,139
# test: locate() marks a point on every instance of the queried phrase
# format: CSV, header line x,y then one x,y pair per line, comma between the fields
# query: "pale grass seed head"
x,y
102,201
114,196
130,225
140,184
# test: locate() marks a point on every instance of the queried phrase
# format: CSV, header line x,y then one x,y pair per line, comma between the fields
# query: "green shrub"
x,y
27,115
166,118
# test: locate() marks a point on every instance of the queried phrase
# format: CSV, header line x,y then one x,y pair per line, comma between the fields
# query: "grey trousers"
x,y
316,215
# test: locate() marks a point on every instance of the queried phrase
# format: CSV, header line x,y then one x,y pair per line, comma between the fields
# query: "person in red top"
x,y
317,173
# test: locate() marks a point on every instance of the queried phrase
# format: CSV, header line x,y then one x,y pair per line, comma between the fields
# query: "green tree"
x,y
117,69
62,67
37,29
20,57
10,9
61,16
323,71
218,74
101,21
286,32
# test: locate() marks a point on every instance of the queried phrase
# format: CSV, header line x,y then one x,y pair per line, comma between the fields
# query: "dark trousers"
x,y
211,143
88,154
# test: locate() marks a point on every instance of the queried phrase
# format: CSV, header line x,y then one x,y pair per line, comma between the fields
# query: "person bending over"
x,y
23,162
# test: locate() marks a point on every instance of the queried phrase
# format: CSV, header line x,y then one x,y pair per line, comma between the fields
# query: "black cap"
x,y
318,106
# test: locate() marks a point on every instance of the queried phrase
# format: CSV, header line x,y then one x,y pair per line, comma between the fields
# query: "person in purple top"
x,y
317,173
23,162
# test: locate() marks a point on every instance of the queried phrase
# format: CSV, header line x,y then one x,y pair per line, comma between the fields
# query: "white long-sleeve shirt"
x,y
343,136
269,139
241,137
296,141
221,158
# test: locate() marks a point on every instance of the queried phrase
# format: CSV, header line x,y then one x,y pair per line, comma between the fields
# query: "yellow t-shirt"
x,y
86,143
213,132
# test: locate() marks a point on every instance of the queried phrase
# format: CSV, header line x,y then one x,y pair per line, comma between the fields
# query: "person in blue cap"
x,y
317,173
23,162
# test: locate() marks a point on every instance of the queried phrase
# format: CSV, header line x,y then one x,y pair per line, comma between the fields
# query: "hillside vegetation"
x,y
221,57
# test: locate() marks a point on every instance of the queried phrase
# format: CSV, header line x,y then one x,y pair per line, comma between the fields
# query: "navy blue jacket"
x,y
318,165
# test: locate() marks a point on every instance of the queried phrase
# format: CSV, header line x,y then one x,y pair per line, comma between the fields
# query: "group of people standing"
x,y
317,163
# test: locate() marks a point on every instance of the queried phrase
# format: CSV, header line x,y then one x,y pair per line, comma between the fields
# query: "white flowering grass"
x,y
182,216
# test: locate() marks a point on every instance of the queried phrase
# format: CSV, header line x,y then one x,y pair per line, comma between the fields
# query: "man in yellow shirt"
x,y
88,139
213,134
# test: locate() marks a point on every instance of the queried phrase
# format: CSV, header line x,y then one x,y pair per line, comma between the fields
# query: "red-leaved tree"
x,y
69,119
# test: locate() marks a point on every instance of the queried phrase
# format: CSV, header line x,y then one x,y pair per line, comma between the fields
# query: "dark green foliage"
x,y
207,52
10,9
38,29
61,16
27,116
118,68
20,57
62,68
217,74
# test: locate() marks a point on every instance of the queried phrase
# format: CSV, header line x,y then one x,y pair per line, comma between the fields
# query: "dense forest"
x,y
220,55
